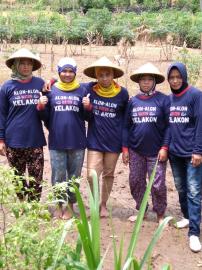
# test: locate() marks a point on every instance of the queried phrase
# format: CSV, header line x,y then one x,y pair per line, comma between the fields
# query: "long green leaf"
x,y
90,232
87,247
82,211
95,218
120,254
166,267
138,223
155,238
102,260
84,231
131,261
67,225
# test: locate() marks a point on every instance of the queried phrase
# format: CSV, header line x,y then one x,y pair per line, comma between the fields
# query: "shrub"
x,y
29,237
74,26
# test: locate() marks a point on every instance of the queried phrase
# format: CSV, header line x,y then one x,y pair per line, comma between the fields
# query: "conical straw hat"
x,y
103,62
147,69
24,53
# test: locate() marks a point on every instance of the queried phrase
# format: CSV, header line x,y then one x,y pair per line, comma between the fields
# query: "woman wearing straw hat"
x,y
146,138
62,108
21,134
185,150
107,104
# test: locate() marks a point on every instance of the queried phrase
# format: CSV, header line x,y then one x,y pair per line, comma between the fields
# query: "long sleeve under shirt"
x,y
186,123
20,125
146,124
105,125
65,119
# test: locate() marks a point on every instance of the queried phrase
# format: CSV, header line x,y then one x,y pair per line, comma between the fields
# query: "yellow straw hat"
x,y
147,69
24,53
103,62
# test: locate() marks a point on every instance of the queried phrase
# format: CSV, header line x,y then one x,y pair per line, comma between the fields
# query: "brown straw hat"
x,y
147,69
103,62
24,53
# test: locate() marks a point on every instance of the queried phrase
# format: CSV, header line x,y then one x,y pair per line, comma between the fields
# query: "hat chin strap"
x,y
151,91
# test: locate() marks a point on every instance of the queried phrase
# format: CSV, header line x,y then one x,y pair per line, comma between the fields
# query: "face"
x,y
25,67
67,75
146,83
175,79
105,76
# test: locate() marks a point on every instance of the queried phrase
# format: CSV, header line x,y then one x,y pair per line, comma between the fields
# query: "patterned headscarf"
x,y
15,72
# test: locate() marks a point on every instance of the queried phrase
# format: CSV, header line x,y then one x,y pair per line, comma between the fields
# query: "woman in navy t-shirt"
x,y
62,110
106,105
146,136
21,134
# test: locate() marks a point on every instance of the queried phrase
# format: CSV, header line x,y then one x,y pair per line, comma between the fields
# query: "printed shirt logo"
x,y
178,114
144,115
66,103
104,109
25,97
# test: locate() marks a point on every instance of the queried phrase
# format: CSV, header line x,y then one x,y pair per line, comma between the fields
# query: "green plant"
x,y
130,260
193,63
29,237
90,232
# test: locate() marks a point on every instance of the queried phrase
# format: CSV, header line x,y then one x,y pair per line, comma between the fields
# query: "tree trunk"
x,y
201,5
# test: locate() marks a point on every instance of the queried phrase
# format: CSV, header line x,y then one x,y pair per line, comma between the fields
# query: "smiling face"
x,y
67,75
104,76
25,66
146,83
175,79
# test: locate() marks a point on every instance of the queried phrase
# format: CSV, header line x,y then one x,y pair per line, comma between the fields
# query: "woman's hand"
x,y
86,101
48,84
163,155
196,160
125,157
2,148
43,100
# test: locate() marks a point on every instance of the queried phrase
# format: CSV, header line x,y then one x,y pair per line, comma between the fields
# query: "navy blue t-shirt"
x,y
185,118
20,124
106,121
65,117
186,123
146,127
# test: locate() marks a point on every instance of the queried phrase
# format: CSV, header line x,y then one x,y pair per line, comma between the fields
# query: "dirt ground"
x,y
172,248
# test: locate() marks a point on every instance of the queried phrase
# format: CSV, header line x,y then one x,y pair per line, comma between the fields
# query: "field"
x,y
173,245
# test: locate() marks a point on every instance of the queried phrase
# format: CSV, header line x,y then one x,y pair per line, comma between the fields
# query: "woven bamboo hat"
x,y
147,69
24,53
103,62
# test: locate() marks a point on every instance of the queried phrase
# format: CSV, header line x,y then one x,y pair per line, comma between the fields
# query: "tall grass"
x,y
90,232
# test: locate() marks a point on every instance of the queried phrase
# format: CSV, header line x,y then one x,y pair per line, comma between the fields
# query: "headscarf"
x,y
107,92
64,63
183,72
16,75
152,90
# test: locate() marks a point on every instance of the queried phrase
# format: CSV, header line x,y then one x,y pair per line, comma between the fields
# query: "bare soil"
x,y
172,248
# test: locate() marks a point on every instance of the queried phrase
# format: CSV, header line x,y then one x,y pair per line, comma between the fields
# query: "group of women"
x,y
149,126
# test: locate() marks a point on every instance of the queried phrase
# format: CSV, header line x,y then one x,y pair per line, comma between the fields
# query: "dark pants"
x,y
188,181
140,166
33,160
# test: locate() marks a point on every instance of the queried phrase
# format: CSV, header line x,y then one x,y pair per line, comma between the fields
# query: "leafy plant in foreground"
x,y
90,233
